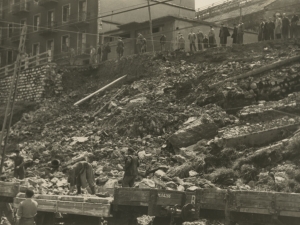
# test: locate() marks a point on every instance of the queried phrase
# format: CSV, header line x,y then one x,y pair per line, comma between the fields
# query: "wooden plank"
x,y
99,210
47,197
255,210
289,213
132,195
99,200
288,197
165,198
67,198
46,205
70,207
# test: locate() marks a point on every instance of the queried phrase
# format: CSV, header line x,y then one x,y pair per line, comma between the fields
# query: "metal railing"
x,y
43,2
27,62
49,26
22,6
79,17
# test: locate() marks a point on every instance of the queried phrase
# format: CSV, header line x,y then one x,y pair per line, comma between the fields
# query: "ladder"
x,y
12,97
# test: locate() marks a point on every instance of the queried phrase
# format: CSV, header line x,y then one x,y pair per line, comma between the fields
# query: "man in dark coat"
x,y
223,35
205,42
163,40
271,28
234,34
285,27
294,27
131,169
120,47
106,50
266,35
19,170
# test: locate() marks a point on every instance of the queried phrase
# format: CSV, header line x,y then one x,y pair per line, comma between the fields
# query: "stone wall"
x,y
34,84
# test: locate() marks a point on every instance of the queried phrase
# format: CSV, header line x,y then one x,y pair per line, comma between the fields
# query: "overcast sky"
x,y
201,3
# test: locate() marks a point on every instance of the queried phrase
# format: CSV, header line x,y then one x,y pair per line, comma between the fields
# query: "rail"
x,y
27,62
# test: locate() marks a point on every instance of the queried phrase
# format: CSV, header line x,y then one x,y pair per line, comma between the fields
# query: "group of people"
x,y
80,175
278,28
203,41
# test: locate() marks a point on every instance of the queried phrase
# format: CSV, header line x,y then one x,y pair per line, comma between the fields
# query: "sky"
x,y
203,3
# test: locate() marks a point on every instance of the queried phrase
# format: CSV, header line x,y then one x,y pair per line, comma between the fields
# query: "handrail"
x,y
37,60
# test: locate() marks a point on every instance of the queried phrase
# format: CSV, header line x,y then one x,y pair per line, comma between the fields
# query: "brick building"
x,y
73,19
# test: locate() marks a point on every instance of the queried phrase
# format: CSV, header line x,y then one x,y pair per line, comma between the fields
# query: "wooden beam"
x,y
260,70
100,90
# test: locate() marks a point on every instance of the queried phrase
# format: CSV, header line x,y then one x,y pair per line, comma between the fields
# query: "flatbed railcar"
x,y
242,207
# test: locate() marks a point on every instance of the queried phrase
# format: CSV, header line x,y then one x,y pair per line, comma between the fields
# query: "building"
x,y
168,25
55,25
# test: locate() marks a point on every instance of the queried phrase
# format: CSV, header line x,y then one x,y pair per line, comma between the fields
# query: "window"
x,y
50,18
65,43
65,13
156,29
9,30
82,10
1,10
36,49
81,43
36,22
11,4
9,59
50,46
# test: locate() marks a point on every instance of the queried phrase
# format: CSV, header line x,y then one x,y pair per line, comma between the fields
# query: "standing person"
x,y
234,34
294,27
271,29
92,55
72,56
278,27
177,40
106,50
163,40
120,47
181,43
144,45
212,37
99,53
205,42
285,27
223,35
200,38
82,175
27,210
192,38
139,42
261,30
266,34
131,169
19,170
241,29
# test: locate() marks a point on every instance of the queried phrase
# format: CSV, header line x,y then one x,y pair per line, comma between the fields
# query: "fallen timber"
x,y
234,206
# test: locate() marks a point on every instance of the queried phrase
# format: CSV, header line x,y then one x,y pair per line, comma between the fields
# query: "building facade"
x,y
56,25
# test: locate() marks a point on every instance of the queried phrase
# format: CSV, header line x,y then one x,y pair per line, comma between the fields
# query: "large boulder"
x,y
192,132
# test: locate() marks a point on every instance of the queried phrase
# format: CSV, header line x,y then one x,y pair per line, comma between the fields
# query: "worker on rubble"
x,y
82,175
120,48
131,168
19,170
27,210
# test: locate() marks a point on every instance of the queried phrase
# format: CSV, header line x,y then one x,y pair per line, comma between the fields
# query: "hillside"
x,y
240,134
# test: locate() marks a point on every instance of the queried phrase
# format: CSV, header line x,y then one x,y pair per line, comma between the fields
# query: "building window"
x,y
9,30
156,29
50,47
81,43
9,59
36,49
65,43
1,35
36,22
50,18
65,13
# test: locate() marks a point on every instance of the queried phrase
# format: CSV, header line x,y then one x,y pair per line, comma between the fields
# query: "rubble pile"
x,y
184,133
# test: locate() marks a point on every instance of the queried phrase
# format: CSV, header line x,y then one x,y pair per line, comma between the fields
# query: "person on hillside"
x,y
92,55
139,42
212,37
205,42
177,41
144,45
82,175
106,51
192,38
241,30
200,37
181,43
278,27
223,35
19,170
294,28
27,210
99,53
266,34
271,28
120,48
285,27
163,40
234,34
261,30
131,169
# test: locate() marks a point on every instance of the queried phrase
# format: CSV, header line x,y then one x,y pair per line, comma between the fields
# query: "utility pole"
x,y
241,15
12,97
150,22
